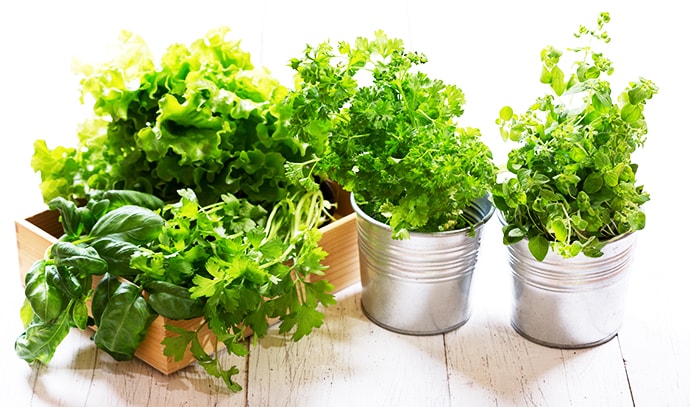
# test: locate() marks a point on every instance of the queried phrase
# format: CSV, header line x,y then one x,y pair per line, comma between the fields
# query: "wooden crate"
x,y
36,233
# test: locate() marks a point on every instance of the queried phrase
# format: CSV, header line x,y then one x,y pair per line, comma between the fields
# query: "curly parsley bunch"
x,y
394,142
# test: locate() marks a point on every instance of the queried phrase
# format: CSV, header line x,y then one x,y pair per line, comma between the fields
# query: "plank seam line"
x,y
448,372
625,368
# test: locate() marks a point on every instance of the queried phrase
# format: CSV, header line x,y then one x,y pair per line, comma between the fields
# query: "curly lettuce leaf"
x,y
203,118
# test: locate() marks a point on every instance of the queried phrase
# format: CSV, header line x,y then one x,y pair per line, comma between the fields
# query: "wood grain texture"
x,y
349,361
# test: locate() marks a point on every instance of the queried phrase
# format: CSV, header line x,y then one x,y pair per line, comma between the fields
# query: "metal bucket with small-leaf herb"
x,y
420,285
576,302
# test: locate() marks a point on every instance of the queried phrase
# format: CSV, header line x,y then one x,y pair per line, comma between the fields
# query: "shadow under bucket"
x,y
570,303
420,285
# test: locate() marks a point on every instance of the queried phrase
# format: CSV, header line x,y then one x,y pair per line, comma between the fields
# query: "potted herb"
x,y
194,205
572,205
419,182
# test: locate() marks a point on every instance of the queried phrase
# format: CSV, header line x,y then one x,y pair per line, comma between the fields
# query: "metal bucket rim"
x,y
485,218
614,239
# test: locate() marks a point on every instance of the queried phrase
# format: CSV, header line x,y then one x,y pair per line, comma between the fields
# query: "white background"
x,y
489,48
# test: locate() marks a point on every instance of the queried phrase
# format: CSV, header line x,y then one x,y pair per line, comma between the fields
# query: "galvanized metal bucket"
x,y
421,285
571,303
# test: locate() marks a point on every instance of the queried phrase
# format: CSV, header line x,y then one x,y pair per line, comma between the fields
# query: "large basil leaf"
x,y
75,220
122,197
117,253
84,259
66,280
98,208
102,294
173,301
47,300
130,223
124,322
41,338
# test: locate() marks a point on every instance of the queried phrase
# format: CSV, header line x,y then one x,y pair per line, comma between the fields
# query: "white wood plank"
x,y
134,383
65,381
348,361
80,374
497,368
656,334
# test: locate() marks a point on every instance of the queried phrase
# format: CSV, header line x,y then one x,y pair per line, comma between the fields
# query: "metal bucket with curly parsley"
x,y
420,285
570,303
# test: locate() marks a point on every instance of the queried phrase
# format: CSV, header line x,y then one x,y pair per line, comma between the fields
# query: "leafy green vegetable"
x,y
59,285
118,198
124,322
129,223
202,118
47,300
573,185
41,338
102,294
394,143
233,263
173,301
84,258
196,191
241,265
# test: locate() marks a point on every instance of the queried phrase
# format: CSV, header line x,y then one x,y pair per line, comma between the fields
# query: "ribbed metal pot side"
x,y
571,303
421,285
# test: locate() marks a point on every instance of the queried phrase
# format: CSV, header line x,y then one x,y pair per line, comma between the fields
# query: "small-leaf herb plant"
x,y
390,134
233,263
572,184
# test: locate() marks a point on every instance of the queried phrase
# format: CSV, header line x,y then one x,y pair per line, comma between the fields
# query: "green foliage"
x,y
123,324
573,184
59,285
238,265
394,142
233,263
202,118
195,193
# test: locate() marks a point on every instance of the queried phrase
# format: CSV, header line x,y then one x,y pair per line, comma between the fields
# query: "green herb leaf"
x,y
538,246
173,301
176,346
393,142
84,259
124,322
129,223
118,198
117,254
47,301
102,294
40,340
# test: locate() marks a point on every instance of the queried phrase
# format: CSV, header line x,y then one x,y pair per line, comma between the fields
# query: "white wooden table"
x,y
353,362
490,49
